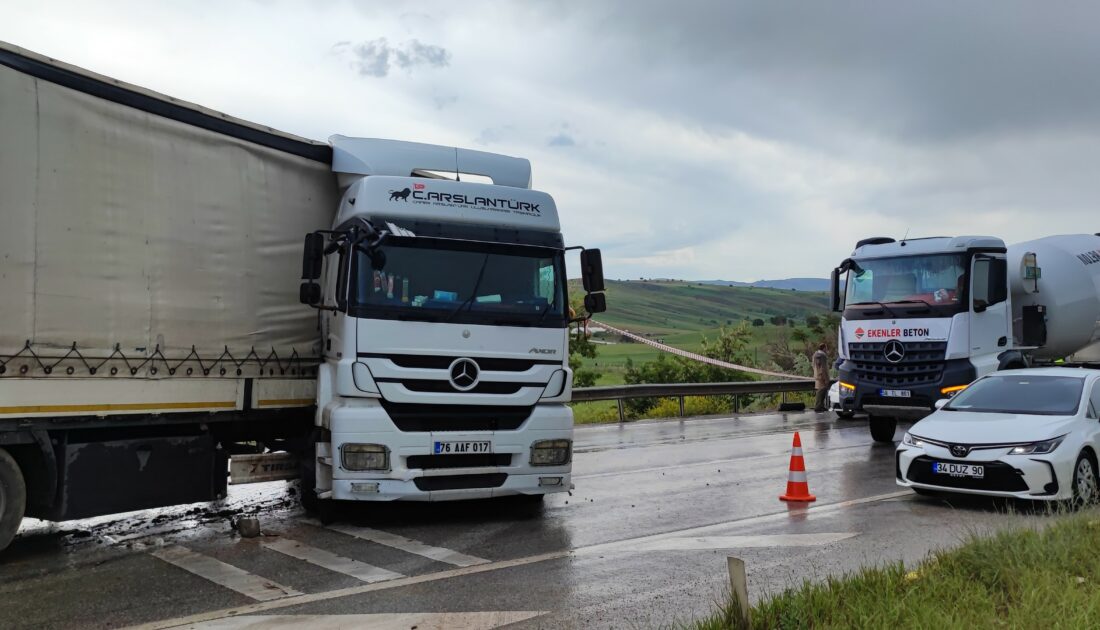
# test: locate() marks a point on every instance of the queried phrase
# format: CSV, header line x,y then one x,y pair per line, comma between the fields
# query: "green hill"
x,y
681,313
670,307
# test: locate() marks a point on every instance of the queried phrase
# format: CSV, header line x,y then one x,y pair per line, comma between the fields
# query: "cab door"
x,y
990,329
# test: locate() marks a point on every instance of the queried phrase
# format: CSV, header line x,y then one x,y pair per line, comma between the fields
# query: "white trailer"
x,y
150,255
922,318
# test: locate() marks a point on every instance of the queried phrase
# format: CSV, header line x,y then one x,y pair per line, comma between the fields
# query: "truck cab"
x,y
443,315
922,318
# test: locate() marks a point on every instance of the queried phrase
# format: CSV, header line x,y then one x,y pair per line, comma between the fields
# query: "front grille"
x,y
460,482
999,477
478,460
413,417
444,387
431,362
921,365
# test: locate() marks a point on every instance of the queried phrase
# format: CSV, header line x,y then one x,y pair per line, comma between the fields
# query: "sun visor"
x,y
353,158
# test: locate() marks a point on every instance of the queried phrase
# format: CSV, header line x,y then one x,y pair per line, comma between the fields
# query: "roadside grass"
x,y
1018,578
606,411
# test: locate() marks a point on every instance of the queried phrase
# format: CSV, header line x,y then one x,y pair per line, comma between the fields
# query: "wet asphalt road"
x,y
640,542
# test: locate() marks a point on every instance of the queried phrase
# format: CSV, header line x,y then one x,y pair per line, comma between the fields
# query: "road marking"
x,y
328,560
259,607
383,621
805,513
348,592
741,542
408,545
222,574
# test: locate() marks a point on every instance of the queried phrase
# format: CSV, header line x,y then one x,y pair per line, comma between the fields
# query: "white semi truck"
x,y
922,318
153,335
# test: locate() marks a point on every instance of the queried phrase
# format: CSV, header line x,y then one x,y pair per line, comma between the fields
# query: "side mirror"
x,y
595,303
980,306
592,271
835,286
313,256
941,403
309,293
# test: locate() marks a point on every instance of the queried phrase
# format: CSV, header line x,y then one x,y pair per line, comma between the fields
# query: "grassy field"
x,y
679,314
1023,578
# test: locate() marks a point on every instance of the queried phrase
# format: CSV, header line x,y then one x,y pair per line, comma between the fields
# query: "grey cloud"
x,y
561,140
375,58
913,71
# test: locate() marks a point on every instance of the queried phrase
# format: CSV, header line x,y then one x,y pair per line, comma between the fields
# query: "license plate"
x,y
895,393
462,448
958,470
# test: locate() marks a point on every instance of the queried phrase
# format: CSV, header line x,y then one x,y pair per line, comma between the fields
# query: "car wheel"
x,y
883,428
1086,485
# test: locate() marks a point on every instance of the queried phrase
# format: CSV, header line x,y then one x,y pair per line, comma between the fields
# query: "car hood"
x,y
966,427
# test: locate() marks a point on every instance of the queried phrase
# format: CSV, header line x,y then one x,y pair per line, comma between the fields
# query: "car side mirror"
x,y
942,402
309,293
313,256
592,271
595,303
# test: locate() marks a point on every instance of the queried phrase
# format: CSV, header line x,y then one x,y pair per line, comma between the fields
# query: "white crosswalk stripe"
x,y
227,575
332,562
440,554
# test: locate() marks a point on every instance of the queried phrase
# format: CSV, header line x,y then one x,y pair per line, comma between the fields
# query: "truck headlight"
x,y
551,452
1037,448
365,457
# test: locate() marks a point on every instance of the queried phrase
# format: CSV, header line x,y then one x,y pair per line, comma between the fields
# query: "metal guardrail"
x,y
619,393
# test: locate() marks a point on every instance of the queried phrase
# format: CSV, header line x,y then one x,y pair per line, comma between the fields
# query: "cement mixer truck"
x,y
922,318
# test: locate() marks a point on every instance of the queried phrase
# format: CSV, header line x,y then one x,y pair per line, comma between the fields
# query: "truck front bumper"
x,y
416,473
871,398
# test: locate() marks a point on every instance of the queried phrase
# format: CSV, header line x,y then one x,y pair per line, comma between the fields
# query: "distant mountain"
x,y
796,284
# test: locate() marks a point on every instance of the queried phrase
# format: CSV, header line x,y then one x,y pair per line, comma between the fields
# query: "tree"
x,y
729,346
580,348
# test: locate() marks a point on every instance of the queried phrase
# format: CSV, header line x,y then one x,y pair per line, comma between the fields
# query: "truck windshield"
x,y
1023,394
935,280
439,280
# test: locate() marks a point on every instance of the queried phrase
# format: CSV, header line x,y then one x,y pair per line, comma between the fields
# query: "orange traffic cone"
x,y
797,487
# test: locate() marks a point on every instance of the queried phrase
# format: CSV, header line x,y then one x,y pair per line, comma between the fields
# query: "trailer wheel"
x,y
882,428
307,493
13,498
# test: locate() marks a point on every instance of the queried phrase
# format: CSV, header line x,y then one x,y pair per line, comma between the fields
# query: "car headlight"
x,y
912,440
551,452
1037,448
365,457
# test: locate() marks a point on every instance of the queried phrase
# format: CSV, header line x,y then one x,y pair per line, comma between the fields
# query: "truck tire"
x,y
13,498
882,428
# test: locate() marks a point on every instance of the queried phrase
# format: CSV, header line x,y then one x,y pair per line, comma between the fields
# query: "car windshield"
x,y
937,280
1024,394
440,280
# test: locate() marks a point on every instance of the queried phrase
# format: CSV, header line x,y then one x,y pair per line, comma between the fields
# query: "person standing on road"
x,y
821,378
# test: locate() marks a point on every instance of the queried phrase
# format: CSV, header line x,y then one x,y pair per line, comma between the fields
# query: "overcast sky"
x,y
693,140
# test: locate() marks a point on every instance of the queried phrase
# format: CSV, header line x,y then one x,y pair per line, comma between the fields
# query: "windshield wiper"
x,y
473,293
879,304
927,307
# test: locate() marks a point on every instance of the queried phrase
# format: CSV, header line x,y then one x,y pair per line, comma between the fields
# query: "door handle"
x,y
1002,342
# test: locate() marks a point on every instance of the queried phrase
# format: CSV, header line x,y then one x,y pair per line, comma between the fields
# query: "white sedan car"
x,y
1029,434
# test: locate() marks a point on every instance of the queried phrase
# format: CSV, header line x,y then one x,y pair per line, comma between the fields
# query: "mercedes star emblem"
x,y
894,351
464,374
959,450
